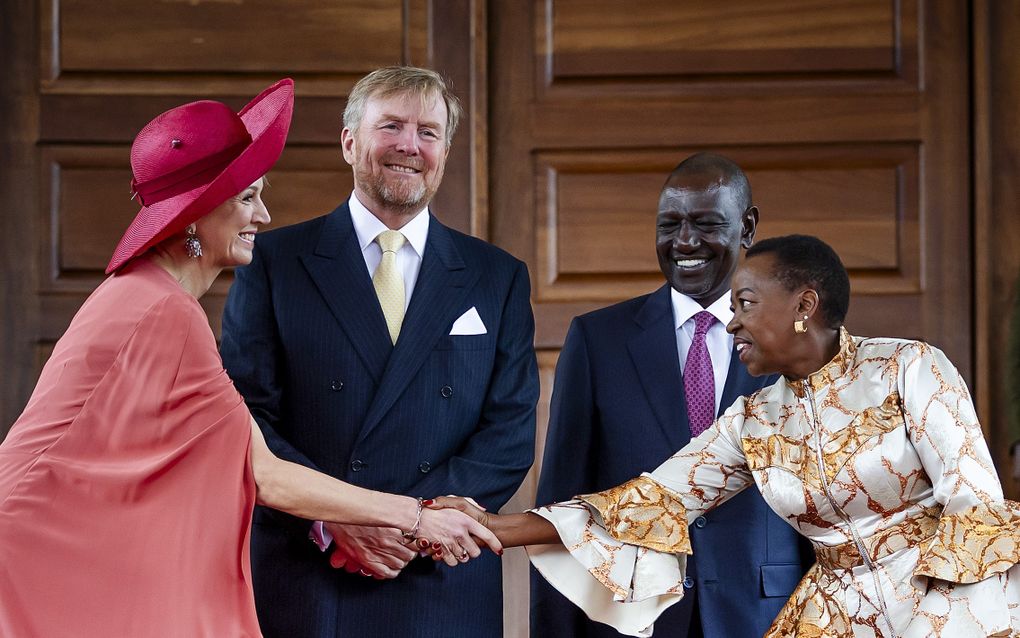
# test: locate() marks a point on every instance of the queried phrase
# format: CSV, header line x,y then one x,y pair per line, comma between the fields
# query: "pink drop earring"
x,y
192,245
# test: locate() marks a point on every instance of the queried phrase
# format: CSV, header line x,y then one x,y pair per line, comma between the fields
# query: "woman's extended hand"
x,y
464,504
455,533
512,530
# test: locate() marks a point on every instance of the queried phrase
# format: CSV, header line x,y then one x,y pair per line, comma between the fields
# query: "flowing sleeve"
x,y
624,552
168,394
978,534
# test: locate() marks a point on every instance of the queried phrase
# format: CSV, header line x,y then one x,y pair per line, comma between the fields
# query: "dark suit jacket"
x,y
305,341
617,410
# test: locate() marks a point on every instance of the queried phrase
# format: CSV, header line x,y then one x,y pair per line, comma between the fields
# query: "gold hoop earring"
x,y
191,244
799,326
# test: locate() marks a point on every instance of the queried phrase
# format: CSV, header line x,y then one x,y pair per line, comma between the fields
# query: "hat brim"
x,y
267,118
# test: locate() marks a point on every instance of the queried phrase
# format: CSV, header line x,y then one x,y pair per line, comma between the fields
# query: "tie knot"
x,y
703,321
390,240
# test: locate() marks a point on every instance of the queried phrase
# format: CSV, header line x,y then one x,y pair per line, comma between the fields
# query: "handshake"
x,y
448,528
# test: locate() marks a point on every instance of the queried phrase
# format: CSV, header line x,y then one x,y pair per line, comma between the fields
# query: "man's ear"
x,y
347,145
748,226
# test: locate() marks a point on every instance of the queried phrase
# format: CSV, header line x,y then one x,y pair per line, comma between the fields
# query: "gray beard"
x,y
400,196
405,200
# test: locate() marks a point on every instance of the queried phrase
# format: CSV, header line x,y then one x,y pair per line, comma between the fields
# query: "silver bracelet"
x,y
412,533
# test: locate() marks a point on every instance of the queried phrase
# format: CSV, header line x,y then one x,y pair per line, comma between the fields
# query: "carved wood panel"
x,y
210,36
664,38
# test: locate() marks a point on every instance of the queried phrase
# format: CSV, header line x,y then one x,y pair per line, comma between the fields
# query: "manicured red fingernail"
x,y
438,554
427,502
423,543
499,553
437,546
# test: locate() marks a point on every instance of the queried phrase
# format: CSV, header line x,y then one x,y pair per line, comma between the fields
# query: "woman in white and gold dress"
x,y
869,447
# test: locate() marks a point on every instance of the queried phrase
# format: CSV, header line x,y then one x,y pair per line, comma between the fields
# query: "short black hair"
x,y
713,163
806,261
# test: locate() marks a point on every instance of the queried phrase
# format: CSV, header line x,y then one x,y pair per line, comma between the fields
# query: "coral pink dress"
x,y
125,486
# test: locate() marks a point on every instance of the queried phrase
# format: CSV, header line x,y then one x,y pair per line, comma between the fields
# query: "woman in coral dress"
x,y
127,485
869,447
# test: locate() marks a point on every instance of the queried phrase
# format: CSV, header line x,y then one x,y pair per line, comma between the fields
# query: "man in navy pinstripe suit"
x,y
435,397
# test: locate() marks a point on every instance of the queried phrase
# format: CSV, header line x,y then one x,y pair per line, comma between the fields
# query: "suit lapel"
x,y
338,270
653,351
443,283
738,382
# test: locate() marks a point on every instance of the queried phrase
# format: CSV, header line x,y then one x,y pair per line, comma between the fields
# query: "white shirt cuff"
x,y
320,535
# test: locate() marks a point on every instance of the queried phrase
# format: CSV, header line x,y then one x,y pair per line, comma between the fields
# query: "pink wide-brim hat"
x,y
192,158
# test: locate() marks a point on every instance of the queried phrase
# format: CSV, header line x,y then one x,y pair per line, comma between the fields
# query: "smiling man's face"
x,y
398,152
700,228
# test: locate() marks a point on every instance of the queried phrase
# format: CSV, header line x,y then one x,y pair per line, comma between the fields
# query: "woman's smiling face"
x,y
228,232
763,315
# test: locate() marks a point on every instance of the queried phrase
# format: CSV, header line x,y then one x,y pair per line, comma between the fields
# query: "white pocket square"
x,y
468,323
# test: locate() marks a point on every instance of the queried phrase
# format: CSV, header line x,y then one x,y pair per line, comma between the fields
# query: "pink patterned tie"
x,y
699,380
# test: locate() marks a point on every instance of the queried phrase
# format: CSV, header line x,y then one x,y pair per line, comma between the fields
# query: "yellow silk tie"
x,y
389,281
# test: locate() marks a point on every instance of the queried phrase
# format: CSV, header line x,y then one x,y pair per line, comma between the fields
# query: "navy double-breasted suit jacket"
x,y
305,341
618,410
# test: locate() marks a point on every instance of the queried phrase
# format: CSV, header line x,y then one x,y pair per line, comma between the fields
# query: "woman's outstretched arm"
x,y
303,492
512,530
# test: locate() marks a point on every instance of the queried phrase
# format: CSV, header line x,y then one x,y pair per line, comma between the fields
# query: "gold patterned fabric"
x,y
641,512
973,544
877,458
911,532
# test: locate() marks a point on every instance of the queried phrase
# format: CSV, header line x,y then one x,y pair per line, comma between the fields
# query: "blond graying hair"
x,y
395,80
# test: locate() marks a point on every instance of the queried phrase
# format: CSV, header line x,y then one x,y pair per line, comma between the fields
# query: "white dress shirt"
x,y
367,226
719,342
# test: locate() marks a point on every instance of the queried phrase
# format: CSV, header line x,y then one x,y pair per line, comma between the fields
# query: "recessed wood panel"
x,y
605,221
657,38
188,36
93,212
89,207
856,210
596,214
307,183
87,202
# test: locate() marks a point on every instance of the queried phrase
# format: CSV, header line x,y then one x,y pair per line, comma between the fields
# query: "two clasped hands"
x,y
451,529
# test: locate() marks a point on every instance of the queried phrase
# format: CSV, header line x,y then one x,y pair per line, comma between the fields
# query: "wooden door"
x,y
850,118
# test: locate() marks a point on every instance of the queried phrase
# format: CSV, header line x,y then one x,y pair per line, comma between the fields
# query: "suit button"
x,y
357,465
446,391
688,583
701,521
336,385
424,467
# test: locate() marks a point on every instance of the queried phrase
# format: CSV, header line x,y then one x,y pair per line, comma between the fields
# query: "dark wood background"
x,y
890,128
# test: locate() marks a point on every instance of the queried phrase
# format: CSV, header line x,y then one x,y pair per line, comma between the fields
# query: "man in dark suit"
x,y
383,348
621,405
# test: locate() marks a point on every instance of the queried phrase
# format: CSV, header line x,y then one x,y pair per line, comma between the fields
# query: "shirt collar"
x,y
684,308
834,369
367,226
